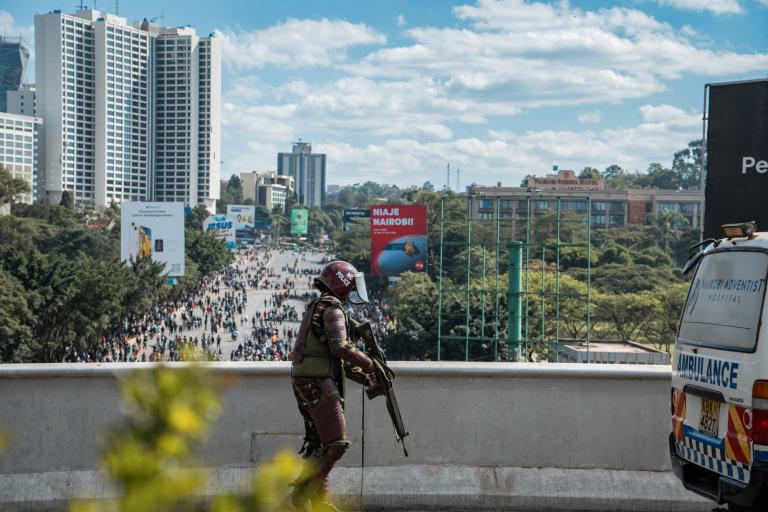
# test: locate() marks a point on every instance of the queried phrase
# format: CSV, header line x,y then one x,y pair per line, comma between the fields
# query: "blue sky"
x,y
393,90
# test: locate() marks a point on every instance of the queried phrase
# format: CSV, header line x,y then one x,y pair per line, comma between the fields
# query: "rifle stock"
x,y
384,378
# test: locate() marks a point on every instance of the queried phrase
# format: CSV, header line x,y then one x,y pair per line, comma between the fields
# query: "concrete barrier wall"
x,y
460,414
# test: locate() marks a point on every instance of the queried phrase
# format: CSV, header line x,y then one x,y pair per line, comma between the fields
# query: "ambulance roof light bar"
x,y
740,229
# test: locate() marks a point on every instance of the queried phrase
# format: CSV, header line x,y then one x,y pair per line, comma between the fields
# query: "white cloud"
x,y
400,112
713,6
400,20
296,43
592,117
506,156
8,27
532,54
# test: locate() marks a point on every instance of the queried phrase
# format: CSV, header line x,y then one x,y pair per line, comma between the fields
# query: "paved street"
x,y
280,265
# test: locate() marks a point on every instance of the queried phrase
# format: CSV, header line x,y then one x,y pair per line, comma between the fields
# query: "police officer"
x,y
323,354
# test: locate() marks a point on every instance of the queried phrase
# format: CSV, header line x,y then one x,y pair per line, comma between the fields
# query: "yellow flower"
x,y
182,418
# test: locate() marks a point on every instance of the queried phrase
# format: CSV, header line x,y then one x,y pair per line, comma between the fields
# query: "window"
x,y
666,207
724,303
598,220
617,206
687,208
598,206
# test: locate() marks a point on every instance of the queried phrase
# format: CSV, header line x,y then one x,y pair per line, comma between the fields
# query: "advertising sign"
x,y
223,227
398,239
737,155
299,221
355,215
242,215
153,230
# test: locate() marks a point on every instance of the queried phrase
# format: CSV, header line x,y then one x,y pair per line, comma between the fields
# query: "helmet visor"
x,y
360,294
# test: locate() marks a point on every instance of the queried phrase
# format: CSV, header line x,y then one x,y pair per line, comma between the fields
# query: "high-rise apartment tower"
x,y
122,106
308,172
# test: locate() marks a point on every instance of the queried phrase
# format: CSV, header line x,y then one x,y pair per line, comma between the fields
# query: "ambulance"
x,y
719,398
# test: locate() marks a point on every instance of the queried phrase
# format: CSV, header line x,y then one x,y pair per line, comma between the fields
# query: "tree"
x,y
235,187
687,165
627,316
15,320
415,334
590,173
615,253
11,187
653,257
67,200
658,176
196,217
671,302
615,278
667,226
208,252
428,186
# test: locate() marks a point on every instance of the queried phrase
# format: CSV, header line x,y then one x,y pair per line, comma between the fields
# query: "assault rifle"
x,y
384,378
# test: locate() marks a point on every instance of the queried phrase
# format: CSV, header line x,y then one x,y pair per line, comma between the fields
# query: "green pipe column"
x,y
514,299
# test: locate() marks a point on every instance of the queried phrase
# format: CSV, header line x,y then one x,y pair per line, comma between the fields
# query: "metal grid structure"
x,y
502,287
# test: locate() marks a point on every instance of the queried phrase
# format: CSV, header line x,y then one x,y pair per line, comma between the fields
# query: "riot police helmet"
x,y
344,281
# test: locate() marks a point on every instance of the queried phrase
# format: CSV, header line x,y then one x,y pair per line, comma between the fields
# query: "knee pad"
x,y
336,449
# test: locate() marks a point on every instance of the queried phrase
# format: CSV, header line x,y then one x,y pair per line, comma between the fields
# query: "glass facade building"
x,y
14,55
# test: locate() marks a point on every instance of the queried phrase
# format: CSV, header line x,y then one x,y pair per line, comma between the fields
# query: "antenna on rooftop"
x,y
81,7
117,7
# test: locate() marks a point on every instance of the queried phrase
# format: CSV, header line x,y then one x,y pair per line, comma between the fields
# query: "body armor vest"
x,y
311,354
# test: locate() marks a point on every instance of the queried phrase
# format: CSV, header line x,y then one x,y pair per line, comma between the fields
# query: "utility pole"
x,y
458,179
448,179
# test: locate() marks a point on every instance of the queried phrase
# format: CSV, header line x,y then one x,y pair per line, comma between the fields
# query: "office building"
x,y
308,172
188,114
14,55
608,207
22,101
267,189
121,105
18,150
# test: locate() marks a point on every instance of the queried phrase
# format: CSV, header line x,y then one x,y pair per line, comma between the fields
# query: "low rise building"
x,y
267,189
22,101
608,207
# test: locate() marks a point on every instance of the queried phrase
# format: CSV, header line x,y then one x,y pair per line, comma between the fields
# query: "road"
x,y
278,259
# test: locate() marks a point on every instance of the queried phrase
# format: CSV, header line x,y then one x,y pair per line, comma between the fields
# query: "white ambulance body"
x,y
719,399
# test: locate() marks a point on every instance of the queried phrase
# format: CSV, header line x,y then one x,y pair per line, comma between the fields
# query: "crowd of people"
x,y
214,321
210,320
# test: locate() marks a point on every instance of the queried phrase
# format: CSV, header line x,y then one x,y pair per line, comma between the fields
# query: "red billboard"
x,y
398,239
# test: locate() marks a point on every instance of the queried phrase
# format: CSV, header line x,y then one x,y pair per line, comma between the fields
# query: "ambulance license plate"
x,y
710,416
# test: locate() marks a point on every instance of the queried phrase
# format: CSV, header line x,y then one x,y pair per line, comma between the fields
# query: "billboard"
x,y
355,215
398,239
299,221
223,227
153,230
737,155
242,215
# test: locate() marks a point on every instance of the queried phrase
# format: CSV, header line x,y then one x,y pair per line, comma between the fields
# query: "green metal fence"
x,y
514,277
